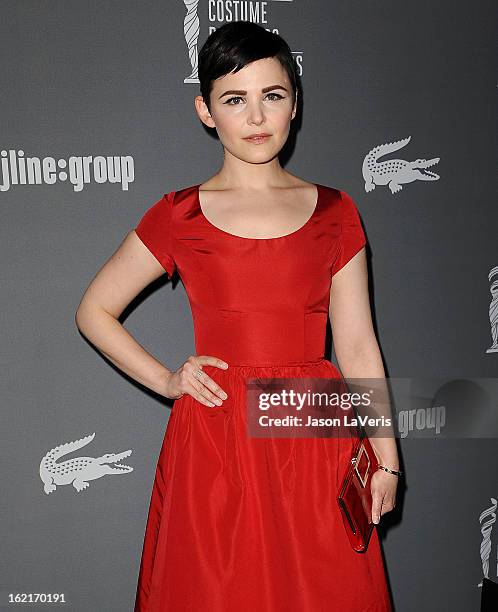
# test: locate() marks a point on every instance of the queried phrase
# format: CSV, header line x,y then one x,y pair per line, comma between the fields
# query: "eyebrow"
x,y
241,92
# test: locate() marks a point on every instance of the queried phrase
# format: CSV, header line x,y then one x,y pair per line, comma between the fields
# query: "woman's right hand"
x,y
191,379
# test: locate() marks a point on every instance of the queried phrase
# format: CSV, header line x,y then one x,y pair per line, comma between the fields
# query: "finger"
x,y
212,386
198,383
204,384
376,507
388,504
200,380
213,361
196,362
195,390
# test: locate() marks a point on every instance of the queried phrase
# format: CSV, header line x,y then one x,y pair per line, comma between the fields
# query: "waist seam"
x,y
276,364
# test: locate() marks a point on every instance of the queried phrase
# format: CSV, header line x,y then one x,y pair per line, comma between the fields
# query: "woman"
x,y
238,522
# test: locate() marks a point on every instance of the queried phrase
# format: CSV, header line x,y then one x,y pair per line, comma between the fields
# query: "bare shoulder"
x,y
296,181
299,184
212,184
299,191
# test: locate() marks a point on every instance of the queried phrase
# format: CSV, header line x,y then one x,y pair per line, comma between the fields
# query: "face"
x,y
257,99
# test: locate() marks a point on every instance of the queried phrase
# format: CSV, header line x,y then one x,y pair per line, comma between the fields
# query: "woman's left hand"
x,y
383,486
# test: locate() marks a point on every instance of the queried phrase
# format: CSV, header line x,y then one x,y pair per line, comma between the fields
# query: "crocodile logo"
x,y
395,172
79,470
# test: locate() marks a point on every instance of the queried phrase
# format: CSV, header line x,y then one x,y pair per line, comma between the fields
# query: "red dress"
x,y
237,523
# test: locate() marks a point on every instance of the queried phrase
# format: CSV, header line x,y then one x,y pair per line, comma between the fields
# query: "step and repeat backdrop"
x,y
98,122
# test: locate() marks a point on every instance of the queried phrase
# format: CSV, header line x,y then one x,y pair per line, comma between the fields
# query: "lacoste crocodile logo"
x,y
395,172
79,470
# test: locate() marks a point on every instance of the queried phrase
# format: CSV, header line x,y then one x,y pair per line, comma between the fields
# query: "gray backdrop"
x,y
118,79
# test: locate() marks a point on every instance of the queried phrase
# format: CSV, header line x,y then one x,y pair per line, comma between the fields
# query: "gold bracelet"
x,y
395,472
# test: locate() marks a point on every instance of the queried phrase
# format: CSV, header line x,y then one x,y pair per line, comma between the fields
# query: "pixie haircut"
x,y
236,44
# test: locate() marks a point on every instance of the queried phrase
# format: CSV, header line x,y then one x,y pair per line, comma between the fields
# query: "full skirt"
x,y
238,523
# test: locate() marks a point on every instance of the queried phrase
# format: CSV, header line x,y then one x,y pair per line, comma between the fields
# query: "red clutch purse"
x,y
355,496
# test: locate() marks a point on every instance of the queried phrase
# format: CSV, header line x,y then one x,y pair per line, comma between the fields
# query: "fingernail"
x,y
225,365
224,395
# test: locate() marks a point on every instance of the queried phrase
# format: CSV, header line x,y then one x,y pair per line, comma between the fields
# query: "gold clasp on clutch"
x,y
356,460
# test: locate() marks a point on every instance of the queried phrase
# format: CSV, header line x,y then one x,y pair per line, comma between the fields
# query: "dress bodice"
x,y
255,300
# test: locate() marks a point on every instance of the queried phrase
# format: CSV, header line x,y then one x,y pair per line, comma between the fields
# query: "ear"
x,y
203,111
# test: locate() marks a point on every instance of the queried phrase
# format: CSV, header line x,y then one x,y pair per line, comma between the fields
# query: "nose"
x,y
255,113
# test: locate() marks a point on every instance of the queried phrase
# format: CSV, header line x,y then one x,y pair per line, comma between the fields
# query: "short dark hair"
x,y
236,44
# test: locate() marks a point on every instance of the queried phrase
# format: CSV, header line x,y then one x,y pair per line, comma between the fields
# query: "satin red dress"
x,y
238,523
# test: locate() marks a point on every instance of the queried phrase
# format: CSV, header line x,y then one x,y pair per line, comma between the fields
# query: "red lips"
x,y
262,135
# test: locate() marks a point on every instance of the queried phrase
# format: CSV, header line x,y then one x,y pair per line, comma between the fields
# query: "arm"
x,y
127,272
355,344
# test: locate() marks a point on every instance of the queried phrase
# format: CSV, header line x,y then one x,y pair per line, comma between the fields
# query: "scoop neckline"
x,y
305,225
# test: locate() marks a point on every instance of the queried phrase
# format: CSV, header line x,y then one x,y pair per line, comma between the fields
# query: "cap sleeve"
x,y
155,230
352,238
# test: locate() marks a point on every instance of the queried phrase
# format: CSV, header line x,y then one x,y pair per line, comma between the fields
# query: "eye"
x,y
230,99
279,97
